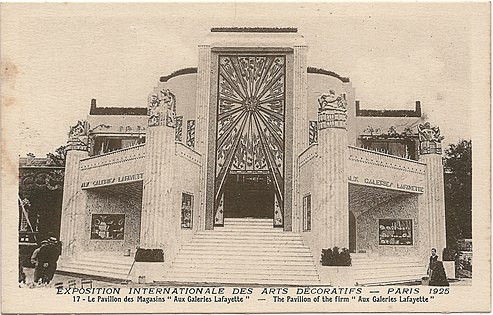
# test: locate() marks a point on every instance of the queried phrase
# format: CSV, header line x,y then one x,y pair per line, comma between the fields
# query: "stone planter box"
x,y
449,267
336,275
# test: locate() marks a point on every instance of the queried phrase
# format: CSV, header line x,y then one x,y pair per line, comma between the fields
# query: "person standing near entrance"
x,y
433,260
50,255
45,259
39,267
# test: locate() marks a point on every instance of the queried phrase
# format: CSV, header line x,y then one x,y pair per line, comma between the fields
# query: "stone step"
x,y
247,220
233,270
291,261
301,266
226,249
247,256
387,266
117,259
245,280
389,279
252,237
246,241
93,260
237,243
100,265
389,273
95,270
240,228
268,223
278,233
244,251
232,274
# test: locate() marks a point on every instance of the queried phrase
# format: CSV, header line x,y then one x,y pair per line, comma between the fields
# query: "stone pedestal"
x,y
332,227
74,198
157,201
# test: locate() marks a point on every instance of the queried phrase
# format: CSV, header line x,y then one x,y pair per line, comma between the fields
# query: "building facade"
x,y
40,202
253,153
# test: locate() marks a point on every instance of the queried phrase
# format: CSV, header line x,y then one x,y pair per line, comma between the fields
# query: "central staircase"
x,y
244,251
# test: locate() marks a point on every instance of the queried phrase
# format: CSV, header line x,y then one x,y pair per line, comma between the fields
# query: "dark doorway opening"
x,y
249,196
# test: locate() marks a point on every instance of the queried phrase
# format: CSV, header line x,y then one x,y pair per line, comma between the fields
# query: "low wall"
x,y
187,166
308,163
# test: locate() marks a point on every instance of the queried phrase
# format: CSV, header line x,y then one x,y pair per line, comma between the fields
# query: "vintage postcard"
x,y
245,157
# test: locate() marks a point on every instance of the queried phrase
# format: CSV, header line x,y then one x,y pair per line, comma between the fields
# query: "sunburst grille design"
x,y
250,124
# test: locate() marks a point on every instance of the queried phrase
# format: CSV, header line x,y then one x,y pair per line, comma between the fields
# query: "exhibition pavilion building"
x,y
243,169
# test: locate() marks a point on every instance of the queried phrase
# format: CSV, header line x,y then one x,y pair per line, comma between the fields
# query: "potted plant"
x,y
335,257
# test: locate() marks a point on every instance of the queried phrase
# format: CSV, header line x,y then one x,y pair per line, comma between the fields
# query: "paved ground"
x,y
99,283
65,278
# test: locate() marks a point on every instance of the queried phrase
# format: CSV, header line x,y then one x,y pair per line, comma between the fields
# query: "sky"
x,y
57,57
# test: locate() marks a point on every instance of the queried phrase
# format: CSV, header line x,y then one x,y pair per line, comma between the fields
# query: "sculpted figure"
x,y
332,101
77,136
430,139
78,130
428,133
162,108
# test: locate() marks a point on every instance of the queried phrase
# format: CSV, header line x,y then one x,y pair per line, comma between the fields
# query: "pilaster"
x,y
74,198
432,201
203,99
300,125
332,209
157,201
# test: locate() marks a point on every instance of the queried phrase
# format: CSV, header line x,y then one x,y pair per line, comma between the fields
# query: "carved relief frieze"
x,y
332,110
78,136
430,140
312,132
162,109
191,133
178,129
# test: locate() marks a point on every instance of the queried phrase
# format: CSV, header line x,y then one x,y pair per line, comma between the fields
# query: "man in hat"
x,y
39,266
51,253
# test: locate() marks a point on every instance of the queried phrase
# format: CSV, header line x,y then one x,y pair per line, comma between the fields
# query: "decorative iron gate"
x,y
250,123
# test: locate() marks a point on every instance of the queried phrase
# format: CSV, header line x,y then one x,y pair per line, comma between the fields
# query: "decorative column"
x,y
74,198
292,221
157,201
332,199
432,201
201,138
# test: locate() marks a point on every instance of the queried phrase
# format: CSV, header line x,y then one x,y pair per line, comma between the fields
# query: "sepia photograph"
x,y
245,157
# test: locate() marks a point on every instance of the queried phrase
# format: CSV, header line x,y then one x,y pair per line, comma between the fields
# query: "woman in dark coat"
x,y
433,260
438,275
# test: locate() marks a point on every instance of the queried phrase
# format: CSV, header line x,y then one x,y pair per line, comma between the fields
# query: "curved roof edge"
x,y
327,72
309,70
178,73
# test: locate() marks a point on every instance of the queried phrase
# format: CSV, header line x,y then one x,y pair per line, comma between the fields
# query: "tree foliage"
x,y
458,191
58,157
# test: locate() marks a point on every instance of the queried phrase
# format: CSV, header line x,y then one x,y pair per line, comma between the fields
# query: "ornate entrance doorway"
x,y
250,129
